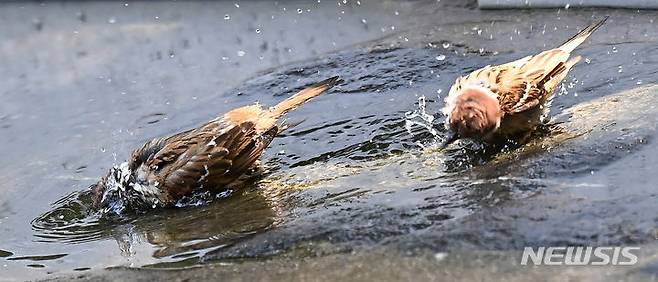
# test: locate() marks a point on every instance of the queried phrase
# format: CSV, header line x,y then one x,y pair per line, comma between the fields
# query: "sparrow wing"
x,y
179,162
522,84
540,75
212,155
528,82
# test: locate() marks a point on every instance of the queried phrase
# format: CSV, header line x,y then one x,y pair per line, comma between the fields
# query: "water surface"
x,y
352,177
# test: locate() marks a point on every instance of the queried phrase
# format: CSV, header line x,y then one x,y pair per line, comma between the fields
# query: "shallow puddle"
x,y
353,175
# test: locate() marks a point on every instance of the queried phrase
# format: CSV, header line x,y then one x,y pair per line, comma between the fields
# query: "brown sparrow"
x,y
205,158
507,102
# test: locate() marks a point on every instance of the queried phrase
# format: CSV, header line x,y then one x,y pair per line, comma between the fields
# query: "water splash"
x,y
420,117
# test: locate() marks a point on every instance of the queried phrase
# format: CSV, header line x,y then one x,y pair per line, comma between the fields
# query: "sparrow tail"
x,y
302,97
579,38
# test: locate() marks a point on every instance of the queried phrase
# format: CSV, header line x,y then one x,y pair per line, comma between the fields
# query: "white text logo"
x,y
580,255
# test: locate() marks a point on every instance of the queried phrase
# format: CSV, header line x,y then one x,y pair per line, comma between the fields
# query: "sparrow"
x,y
507,102
205,158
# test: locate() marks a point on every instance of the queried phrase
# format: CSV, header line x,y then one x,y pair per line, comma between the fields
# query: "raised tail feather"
x,y
302,97
579,38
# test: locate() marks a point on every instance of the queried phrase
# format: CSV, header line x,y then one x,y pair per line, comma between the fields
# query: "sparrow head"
x,y
110,191
476,113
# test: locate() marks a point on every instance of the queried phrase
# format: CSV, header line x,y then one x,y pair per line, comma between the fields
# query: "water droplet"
x,y
241,53
440,57
397,13
566,7
227,17
257,30
440,256
237,5
614,49
445,45
364,21
588,60
112,20
620,69
125,5
299,11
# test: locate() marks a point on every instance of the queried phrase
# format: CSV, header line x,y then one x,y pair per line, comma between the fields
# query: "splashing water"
x,y
420,117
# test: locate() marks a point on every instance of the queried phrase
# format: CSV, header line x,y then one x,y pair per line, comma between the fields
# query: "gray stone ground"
x,y
379,265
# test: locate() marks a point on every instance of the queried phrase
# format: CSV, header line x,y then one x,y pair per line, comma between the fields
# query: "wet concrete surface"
x,y
347,194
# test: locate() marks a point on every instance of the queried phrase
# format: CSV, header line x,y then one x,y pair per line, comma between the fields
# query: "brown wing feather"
x,y
211,163
212,155
518,84
527,82
220,151
194,172
551,67
255,148
216,165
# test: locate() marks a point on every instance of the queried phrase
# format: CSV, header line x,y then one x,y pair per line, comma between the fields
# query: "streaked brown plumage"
x,y
208,157
508,101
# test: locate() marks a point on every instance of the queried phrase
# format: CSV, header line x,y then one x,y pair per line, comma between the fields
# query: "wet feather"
x,y
208,157
521,89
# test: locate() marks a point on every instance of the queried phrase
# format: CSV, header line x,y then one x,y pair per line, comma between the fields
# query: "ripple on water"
x,y
351,174
357,141
149,119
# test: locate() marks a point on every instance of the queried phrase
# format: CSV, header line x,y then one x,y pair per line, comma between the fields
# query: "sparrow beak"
x,y
450,138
